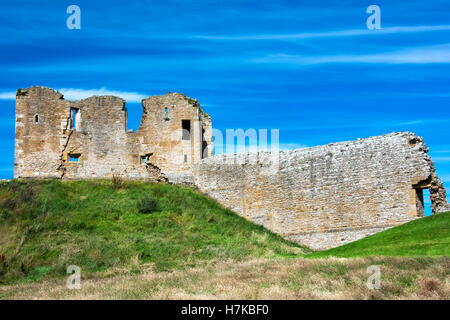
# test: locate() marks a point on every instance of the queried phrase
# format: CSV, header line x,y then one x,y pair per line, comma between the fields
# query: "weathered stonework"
x,y
89,138
329,195
320,197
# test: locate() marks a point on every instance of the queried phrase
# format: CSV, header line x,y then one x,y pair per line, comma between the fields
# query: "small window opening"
x,y
185,158
427,202
186,125
204,145
166,114
36,118
422,195
74,157
74,114
146,158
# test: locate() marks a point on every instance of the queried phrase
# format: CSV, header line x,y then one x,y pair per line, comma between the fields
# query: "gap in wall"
x,y
427,202
134,115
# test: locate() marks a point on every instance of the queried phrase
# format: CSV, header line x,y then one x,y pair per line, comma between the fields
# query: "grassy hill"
x,y
429,236
115,228
45,226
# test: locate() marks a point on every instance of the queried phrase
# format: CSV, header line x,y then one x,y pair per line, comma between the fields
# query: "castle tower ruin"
x,y
89,138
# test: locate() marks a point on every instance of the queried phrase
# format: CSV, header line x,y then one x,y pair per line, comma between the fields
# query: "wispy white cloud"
x,y
292,146
10,95
441,151
329,34
441,159
445,177
220,148
415,122
76,94
409,123
421,55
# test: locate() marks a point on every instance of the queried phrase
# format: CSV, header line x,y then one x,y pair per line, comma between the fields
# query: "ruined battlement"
x,y
89,138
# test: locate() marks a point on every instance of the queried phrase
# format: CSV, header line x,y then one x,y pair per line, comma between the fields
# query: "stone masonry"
x,y
89,138
326,196
320,197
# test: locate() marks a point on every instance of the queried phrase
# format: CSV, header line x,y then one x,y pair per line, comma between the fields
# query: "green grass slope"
x,y
429,236
45,226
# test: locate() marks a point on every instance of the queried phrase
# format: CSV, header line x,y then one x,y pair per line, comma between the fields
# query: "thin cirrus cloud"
x,y
441,159
421,55
76,94
445,178
10,95
220,148
329,34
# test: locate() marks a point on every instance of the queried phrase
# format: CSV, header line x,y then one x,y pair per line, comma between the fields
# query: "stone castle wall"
x,y
320,197
89,138
329,195
161,136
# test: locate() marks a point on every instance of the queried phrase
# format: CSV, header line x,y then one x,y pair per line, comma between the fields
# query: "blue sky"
x,y
309,68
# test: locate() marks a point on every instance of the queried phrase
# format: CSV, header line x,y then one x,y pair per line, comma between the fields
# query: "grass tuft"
x,y
148,204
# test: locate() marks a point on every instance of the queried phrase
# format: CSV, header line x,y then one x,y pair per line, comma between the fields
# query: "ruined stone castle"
x,y
320,197
57,138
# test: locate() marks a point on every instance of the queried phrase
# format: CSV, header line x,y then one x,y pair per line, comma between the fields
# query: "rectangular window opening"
x,y
74,157
185,158
166,114
427,202
73,117
423,202
204,145
186,125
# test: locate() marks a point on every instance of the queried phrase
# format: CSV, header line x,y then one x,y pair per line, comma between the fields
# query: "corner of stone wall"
x,y
438,194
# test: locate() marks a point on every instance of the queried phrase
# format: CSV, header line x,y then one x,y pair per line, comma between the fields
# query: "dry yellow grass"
x,y
333,278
